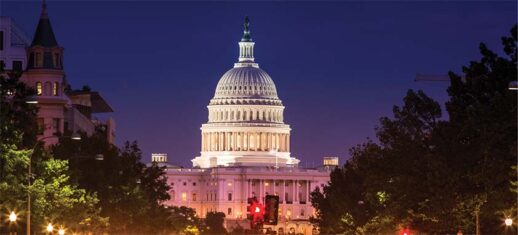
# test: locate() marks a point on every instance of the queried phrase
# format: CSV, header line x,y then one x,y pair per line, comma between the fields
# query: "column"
x,y
288,142
248,193
202,142
273,182
293,191
284,191
261,190
308,191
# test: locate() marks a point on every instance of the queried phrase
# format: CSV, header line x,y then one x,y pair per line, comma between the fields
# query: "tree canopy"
x,y
433,174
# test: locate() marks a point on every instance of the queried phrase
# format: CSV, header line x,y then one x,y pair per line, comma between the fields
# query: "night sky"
x,y
338,66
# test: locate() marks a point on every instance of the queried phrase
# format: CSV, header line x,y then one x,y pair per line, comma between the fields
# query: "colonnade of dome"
x,y
245,141
251,113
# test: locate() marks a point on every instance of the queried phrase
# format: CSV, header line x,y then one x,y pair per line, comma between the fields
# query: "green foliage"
x,y
184,220
17,118
58,201
130,193
214,223
430,174
54,198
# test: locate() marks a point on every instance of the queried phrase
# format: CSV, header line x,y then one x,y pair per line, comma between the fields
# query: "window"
x,y
184,196
17,65
1,40
230,196
229,211
184,184
173,194
47,88
39,88
56,126
194,184
57,60
55,89
41,126
301,212
194,197
38,59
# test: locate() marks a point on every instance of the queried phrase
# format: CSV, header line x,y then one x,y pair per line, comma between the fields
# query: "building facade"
x,y
60,109
245,152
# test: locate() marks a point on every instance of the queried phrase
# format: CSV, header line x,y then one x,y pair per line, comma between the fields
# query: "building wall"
x,y
14,43
226,189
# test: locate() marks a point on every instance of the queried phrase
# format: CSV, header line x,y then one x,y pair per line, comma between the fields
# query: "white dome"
x,y
246,82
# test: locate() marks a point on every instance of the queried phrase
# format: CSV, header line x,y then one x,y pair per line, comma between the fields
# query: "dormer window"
x,y
38,59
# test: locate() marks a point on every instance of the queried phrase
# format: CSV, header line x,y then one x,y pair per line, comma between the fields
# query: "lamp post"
x,y
74,136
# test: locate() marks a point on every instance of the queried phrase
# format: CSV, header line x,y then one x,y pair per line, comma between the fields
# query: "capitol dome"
x,y
246,82
245,124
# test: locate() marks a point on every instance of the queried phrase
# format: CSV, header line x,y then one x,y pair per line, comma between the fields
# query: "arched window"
x,y
39,88
47,89
55,89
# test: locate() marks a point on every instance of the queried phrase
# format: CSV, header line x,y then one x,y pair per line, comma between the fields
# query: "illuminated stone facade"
x,y
246,119
245,152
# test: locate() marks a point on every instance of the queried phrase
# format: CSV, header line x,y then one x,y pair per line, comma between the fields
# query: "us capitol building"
x,y
245,152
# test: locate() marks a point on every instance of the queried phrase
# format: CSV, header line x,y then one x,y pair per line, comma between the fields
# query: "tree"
x,y
184,220
214,223
54,196
483,115
429,174
17,117
130,193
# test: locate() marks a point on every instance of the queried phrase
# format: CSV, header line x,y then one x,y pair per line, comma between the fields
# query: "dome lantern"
x,y
246,46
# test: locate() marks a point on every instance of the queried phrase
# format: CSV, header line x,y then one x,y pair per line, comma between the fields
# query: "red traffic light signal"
x,y
255,212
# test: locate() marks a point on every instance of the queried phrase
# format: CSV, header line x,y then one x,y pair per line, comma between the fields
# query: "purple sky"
x,y
338,66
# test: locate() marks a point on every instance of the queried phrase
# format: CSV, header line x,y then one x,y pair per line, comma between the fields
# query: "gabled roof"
x,y
44,35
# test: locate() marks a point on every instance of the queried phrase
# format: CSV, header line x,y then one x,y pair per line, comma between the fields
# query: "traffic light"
x,y
271,209
255,212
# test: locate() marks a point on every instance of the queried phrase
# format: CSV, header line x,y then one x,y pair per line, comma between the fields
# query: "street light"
x,y
50,228
12,217
61,231
508,222
74,136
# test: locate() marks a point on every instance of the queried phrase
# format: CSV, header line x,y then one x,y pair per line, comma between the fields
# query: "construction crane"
x,y
431,78
445,78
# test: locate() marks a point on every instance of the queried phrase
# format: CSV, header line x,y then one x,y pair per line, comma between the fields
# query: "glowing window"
x,y
39,88
184,197
55,89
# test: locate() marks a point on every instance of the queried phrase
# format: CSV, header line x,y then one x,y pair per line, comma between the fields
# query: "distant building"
x,y
246,152
331,161
61,110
